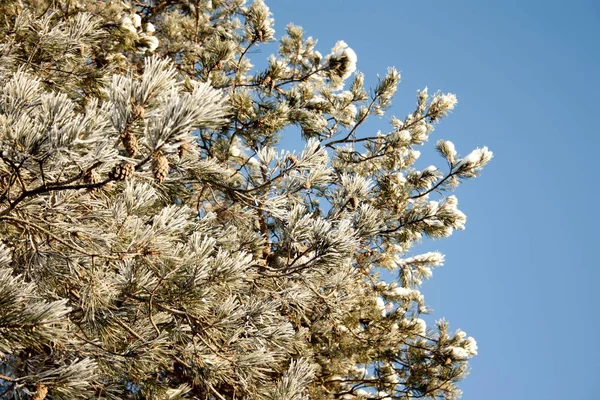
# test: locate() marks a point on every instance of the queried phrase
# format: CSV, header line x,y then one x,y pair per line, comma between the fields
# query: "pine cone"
x,y
293,159
160,167
91,177
269,83
139,111
122,171
130,143
184,148
40,392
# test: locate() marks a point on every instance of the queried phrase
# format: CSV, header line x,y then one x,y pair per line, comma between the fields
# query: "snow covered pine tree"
x,y
156,245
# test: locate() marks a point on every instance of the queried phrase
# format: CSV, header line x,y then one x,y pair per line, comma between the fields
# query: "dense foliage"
x,y
156,241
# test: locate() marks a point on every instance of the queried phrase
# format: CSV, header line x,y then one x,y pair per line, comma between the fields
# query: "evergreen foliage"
x,y
156,244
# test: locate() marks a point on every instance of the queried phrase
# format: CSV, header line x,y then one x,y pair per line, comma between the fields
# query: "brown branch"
x,y
66,185
355,127
53,236
437,185
128,329
403,225
150,299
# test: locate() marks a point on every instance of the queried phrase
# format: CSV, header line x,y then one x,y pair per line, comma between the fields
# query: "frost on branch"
x,y
158,242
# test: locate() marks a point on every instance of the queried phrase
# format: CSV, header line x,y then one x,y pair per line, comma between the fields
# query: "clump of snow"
x,y
342,59
471,346
127,24
136,20
458,353
477,157
420,326
400,292
152,43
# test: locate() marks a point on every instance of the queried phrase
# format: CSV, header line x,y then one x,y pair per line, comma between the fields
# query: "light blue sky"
x,y
522,278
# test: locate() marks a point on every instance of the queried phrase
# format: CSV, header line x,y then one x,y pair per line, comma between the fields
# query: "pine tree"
x,y
158,244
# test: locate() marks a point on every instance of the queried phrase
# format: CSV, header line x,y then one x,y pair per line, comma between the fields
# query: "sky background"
x,y
523,277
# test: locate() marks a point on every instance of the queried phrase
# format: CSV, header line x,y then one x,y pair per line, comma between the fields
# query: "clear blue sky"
x,y
523,277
